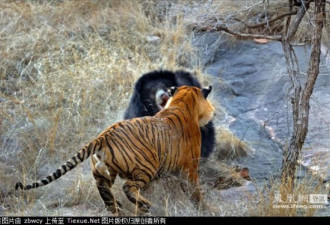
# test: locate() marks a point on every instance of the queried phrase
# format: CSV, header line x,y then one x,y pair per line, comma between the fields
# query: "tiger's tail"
x,y
79,157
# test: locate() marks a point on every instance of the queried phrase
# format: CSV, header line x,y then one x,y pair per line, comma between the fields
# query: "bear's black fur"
x,y
143,100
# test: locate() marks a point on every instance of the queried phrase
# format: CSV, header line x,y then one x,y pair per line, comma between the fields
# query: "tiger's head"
x,y
205,108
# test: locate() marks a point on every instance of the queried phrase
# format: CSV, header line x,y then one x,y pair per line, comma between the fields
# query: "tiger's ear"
x,y
206,91
172,90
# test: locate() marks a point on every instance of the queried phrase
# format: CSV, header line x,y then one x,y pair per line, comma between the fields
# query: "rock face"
x,y
256,92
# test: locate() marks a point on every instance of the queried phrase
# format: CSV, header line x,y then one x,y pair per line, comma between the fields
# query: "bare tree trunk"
x,y
301,97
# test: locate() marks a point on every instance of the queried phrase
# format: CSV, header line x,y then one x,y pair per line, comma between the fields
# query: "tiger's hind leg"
x,y
104,181
196,196
132,190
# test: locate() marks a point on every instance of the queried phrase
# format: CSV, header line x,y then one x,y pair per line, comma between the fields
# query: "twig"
x,y
294,26
269,21
288,20
252,6
220,27
266,22
313,69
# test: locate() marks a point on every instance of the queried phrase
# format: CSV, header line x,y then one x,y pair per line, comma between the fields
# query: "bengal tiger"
x,y
141,149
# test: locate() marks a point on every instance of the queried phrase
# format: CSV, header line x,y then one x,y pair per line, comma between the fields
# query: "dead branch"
x,y
292,29
239,34
220,27
267,22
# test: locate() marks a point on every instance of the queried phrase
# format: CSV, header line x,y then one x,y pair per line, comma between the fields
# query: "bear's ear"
x,y
206,91
172,90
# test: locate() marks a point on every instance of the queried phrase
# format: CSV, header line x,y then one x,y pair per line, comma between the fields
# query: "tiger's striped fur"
x,y
141,149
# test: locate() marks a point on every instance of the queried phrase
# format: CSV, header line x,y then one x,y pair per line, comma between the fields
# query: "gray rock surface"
x,y
256,92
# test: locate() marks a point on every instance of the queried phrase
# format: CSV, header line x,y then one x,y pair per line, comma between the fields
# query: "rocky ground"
x,y
256,95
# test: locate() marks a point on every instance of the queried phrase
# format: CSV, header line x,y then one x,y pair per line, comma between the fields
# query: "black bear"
x,y
150,96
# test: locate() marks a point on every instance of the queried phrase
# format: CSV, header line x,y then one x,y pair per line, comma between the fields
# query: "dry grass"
x,y
229,146
295,203
66,72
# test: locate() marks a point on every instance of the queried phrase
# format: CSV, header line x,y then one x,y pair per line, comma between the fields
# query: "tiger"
x,y
140,150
